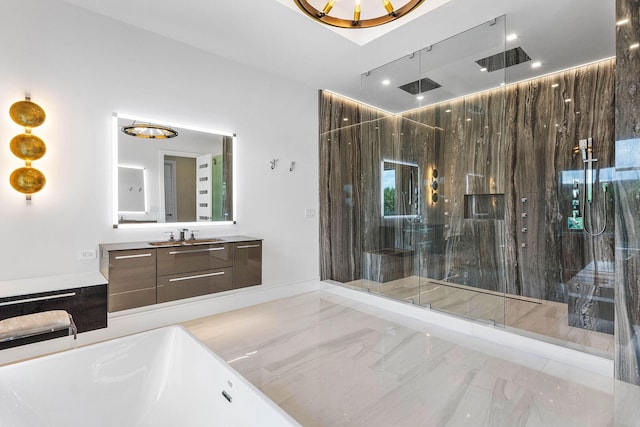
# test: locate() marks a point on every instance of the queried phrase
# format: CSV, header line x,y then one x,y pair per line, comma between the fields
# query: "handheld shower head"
x,y
582,145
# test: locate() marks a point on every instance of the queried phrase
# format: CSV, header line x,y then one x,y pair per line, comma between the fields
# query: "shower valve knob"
x,y
524,245
524,214
525,229
524,200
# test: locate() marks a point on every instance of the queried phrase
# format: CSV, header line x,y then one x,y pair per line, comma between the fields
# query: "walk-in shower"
x,y
451,182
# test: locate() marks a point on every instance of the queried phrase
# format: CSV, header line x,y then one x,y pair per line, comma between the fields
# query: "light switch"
x,y
309,213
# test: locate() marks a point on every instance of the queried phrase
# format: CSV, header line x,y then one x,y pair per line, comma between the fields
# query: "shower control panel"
x,y
575,221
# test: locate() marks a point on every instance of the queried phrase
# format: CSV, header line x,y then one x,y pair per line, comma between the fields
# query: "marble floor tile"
x,y
542,318
332,361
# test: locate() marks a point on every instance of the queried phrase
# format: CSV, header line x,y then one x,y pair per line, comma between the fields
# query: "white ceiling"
x,y
275,37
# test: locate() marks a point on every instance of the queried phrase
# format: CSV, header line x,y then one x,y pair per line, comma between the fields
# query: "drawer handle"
x,y
199,276
45,298
196,250
132,256
247,246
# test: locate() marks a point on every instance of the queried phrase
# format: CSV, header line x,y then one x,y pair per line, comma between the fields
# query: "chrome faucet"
x,y
182,231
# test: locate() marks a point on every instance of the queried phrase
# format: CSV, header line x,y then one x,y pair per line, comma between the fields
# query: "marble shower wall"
x,y
491,150
627,136
343,128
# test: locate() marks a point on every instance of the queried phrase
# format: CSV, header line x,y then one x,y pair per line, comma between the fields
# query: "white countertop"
x,y
11,288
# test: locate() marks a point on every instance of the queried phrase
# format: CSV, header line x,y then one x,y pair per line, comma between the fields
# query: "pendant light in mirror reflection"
x,y
357,13
149,131
28,147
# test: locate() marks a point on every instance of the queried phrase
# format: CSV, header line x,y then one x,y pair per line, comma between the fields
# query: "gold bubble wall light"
x,y
28,147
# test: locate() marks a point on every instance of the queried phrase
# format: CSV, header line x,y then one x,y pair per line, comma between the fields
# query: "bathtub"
x,y
163,377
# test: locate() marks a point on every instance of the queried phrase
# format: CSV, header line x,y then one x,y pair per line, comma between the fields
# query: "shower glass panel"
x,y
445,250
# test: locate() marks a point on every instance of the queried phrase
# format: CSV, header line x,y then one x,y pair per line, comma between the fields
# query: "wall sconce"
x,y
434,186
28,147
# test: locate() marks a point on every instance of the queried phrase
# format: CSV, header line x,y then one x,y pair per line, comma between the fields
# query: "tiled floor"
x,y
332,361
539,318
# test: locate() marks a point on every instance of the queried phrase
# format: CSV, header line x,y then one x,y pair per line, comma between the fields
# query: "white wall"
x,y
81,68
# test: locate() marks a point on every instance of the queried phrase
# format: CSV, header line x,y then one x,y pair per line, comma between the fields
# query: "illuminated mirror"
x,y
131,190
400,189
183,180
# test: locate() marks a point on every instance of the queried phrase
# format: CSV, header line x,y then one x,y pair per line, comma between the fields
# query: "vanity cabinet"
x,y
247,264
132,277
141,274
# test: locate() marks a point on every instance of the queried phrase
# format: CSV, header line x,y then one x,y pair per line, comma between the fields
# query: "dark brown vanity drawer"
x,y
132,299
132,270
193,258
178,286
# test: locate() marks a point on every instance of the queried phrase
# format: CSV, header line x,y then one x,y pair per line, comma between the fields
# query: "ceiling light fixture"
x,y
419,97
149,131
483,69
536,64
512,37
350,14
386,82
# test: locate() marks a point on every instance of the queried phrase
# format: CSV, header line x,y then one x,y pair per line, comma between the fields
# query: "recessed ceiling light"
x,y
447,111
419,97
536,64
346,119
555,85
468,120
622,21
512,37
386,82
567,100
502,84
634,46
483,69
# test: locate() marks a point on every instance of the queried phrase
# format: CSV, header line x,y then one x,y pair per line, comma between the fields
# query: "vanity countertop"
x,y
126,246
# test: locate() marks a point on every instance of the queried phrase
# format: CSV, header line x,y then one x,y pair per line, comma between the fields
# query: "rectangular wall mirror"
x,y
185,179
400,189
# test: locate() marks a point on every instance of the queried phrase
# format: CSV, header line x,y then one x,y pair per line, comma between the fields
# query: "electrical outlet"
x,y
309,213
87,254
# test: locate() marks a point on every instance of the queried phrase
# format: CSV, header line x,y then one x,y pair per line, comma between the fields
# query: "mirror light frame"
x,y
115,134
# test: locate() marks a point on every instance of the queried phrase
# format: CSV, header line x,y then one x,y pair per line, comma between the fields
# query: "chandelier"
x,y
353,14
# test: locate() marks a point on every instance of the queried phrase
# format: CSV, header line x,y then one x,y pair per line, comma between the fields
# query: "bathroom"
x,y
466,168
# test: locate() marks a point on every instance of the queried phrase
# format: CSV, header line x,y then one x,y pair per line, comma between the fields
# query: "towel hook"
x,y
273,163
293,164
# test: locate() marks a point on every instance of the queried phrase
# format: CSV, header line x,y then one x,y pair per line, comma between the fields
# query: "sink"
x,y
203,241
167,243
186,242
